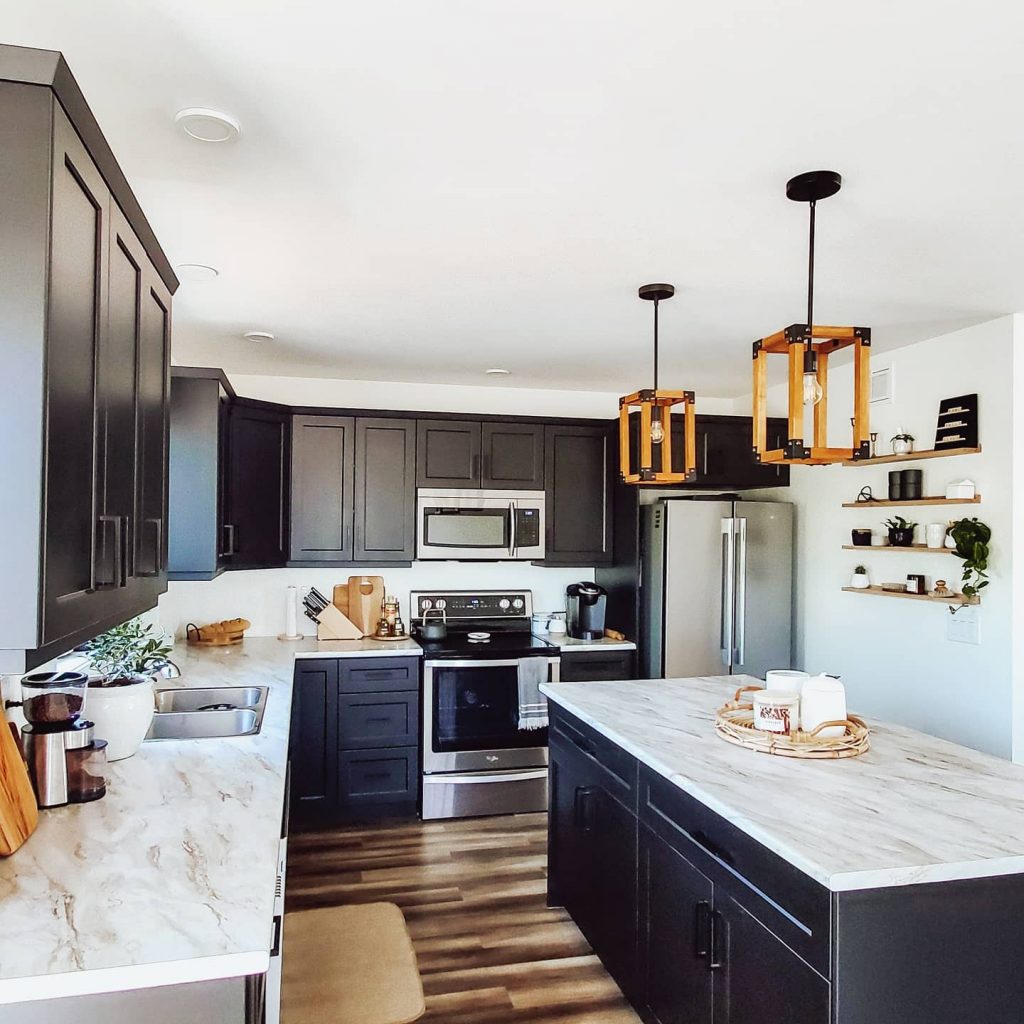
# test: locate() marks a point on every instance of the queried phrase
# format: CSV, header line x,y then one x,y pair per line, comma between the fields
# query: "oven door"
x,y
471,717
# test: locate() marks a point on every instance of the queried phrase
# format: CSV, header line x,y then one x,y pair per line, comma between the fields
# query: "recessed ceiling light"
x,y
497,371
259,336
196,272
207,125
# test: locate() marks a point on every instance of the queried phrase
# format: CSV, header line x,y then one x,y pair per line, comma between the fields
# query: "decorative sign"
x,y
957,425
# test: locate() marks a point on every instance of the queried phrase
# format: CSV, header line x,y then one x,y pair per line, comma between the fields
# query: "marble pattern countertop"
x,y
571,643
914,809
170,877
366,648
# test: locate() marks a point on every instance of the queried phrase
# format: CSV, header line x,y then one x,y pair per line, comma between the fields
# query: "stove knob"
x,y
517,603
441,603
425,604
504,604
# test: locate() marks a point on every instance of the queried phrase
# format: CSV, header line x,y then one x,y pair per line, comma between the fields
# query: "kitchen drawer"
x,y
619,769
378,720
367,675
789,903
367,778
588,666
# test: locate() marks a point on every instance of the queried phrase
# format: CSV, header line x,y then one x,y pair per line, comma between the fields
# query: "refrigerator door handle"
x,y
740,621
727,635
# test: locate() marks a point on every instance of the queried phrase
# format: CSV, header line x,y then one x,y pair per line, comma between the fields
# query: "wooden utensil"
x,y
365,597
19,814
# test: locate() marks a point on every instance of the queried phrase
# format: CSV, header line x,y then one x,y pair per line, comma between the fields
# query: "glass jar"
x,y
87,772
53,700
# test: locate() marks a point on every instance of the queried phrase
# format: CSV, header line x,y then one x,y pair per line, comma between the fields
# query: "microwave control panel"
x,y
527,527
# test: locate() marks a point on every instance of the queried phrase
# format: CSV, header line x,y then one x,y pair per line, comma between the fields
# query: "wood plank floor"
x,y
489,950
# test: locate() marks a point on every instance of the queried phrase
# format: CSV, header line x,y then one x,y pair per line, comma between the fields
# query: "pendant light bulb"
x,y
812,389
657,432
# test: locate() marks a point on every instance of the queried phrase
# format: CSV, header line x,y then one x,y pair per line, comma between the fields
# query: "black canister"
x,y
911,481
895,485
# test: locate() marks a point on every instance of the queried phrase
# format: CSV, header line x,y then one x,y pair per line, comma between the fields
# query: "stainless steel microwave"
x,y
479,525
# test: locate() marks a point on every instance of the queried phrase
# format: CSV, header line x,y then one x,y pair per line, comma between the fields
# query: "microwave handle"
x,y
512,545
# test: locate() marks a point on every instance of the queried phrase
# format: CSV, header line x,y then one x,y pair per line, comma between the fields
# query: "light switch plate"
x,y
965,626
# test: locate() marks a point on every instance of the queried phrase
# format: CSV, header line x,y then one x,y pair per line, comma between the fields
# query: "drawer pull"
x,y
377,775
702,930
378,720
701,839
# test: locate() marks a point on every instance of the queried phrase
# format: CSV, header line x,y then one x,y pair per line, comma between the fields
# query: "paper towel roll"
x,y
291,614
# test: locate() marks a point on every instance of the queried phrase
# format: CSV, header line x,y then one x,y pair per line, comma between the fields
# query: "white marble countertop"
x,y
571,643
310,647
915,808
170,877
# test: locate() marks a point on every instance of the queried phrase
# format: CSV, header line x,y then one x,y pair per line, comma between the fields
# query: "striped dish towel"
x,y
533,705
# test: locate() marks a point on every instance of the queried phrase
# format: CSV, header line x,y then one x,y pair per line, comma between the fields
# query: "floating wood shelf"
x,y
879,592
895,547
880,503
930,453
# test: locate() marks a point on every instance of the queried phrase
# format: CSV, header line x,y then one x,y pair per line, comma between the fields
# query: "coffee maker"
x,y
585,607
66,763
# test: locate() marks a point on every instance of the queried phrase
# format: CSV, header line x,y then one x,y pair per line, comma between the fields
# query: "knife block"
x,y
332,625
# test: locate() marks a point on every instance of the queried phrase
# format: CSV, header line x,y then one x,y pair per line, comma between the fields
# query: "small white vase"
x,y
935,534
860,581
122,713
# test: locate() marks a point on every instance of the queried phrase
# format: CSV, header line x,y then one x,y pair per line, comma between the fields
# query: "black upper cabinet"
x,y
512,456
464,454
85,367
259,456
578,502
385,498
197,508
448,453
725,454
323,455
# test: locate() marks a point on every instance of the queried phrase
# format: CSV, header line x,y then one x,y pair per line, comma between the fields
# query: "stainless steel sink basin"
x,y
208,712
210,698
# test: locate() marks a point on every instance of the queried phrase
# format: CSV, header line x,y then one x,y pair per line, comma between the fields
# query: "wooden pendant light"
x,y
808,347
652,408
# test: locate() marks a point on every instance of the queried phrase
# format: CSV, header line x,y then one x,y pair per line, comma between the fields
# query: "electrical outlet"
x,y
965,626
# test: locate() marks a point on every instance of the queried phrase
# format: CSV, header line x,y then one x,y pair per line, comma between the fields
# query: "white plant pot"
x,y
902,447
122,714
860,581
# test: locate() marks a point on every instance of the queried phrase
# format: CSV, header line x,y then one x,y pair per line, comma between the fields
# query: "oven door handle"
x,y
472,778
483,663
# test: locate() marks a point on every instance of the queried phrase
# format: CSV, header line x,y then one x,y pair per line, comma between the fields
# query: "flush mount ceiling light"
x,y
808,346
497,371
196,272
652,408
207,125
258,336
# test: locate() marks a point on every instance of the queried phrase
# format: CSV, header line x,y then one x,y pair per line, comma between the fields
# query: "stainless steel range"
x,y
476,757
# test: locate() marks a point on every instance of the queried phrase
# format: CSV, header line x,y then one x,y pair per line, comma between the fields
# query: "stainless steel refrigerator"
x,y
716,587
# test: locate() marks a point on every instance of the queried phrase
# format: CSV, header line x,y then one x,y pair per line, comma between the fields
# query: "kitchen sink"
x,y
208,712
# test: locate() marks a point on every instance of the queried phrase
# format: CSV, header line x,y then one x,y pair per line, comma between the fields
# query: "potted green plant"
x,y
860,579
972,537
901,532
120,700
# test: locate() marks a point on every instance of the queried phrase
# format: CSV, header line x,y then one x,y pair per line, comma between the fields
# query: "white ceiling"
x,y
424,190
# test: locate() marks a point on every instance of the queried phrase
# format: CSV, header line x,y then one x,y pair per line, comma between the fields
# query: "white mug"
x,y
785,679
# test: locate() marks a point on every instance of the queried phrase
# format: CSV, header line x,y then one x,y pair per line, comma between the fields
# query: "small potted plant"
x,y
972,537
860,580
902,443
120,699
901,532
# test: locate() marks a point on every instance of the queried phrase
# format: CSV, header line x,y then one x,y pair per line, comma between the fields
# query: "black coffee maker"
x,y
584,610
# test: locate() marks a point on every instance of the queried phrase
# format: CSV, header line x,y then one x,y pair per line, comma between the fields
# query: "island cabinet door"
x,y
676,902
758,979
313,750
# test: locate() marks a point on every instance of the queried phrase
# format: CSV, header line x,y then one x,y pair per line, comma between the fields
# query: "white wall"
x,y
894,655
259,594
489,400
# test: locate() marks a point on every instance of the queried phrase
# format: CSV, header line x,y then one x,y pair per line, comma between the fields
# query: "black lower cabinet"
x,y
354,740
590,666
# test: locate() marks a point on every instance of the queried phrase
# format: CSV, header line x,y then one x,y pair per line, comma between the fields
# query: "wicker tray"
x,y
734,722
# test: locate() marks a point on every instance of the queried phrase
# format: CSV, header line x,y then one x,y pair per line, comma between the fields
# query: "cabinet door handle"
x,y
485,473
122,571
158,544
474,469
229,531
113,579
702,930
714,940
583,806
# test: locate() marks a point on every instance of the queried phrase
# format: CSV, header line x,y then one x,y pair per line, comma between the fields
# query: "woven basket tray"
x,y
734,722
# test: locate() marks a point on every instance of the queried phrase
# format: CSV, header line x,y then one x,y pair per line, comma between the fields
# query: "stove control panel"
x,y
472,604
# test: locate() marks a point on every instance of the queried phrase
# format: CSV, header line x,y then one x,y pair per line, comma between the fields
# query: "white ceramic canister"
x,y
785,679
556,626
935,534
823,700
776,710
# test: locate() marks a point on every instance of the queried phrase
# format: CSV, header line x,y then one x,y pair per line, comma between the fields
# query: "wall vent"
x,y
881,385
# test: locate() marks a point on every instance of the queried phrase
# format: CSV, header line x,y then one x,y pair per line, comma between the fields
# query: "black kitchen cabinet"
x,y
578,502
197,504
512,456
447,453
385,495
354,739
259,457
323,478
85,304
588,666
725,457
675,923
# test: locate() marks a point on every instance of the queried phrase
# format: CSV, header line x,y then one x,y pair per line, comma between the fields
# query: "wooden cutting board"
x,y
19,814
365,597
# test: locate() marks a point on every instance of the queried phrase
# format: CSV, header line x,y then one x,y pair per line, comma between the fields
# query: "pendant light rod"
x,y
809,187
810,274
655,293
655,344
